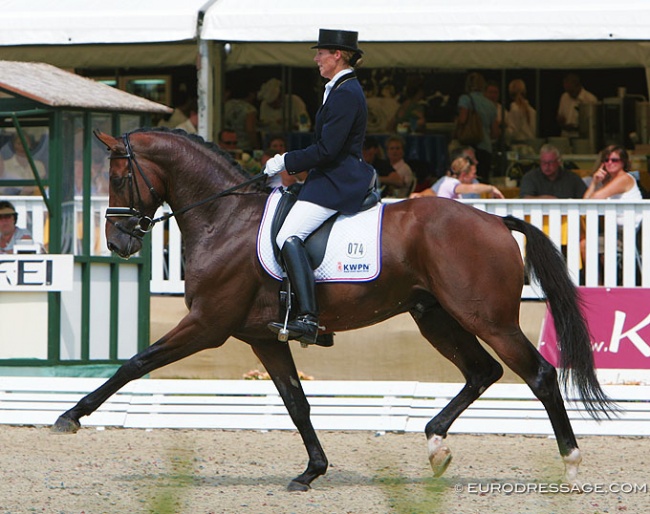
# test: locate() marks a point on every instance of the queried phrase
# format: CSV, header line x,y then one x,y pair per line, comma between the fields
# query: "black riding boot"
x,y
305,326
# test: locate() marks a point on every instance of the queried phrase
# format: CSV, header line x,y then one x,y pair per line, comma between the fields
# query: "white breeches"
x,y
303,219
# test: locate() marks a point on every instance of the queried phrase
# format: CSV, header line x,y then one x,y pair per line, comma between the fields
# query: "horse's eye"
x,y
117,181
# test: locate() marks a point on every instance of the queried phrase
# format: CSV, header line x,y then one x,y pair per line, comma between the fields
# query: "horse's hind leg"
x,y
477,366
278,361
519,354
177,344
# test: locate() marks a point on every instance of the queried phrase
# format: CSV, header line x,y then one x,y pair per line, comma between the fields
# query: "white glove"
x,y
274,165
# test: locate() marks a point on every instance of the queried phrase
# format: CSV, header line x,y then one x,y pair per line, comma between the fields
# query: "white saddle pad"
x,y
353,251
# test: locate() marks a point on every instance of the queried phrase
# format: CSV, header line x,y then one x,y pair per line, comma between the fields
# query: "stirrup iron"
x,y
283,333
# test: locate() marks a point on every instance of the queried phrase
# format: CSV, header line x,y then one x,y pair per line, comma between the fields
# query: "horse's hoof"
x,y
298,486
65,425
440,461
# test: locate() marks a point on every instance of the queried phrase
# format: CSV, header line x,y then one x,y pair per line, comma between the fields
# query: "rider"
x,y
338,177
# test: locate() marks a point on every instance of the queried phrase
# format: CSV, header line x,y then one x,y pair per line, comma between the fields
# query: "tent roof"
x,y
52,86
73,22
428,20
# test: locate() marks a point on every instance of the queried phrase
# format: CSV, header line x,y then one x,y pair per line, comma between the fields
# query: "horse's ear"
x,y
111,143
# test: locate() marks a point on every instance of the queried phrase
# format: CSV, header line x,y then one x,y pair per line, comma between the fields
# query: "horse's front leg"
x,y
185,339
278,361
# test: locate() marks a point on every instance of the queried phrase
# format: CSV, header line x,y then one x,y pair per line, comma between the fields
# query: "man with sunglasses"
x,y
551,179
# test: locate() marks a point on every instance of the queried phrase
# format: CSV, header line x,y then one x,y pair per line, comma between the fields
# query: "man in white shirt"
x,y
568,110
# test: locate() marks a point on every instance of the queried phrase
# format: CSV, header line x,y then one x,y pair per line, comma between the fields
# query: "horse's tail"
x,y
545,262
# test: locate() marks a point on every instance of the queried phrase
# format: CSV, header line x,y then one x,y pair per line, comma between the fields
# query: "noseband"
x,y
145,223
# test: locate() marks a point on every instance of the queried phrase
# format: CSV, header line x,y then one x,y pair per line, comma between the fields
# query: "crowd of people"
x,y
255,117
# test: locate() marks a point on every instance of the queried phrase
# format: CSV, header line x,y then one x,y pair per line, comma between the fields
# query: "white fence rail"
x,y
335,405
616,237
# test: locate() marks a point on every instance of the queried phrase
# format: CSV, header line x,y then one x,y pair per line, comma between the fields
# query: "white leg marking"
x,y
439,455
571,464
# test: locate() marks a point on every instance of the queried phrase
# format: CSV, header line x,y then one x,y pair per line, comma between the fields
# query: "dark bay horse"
x,y
457,270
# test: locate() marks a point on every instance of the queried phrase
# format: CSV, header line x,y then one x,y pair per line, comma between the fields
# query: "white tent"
x,y
75,22
502,34
92,34
437,33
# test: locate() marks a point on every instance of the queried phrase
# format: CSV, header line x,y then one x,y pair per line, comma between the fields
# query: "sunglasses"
x,y
6,216
612,159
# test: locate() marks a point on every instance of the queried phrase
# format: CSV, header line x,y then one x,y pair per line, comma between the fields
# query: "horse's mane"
x,y
211,146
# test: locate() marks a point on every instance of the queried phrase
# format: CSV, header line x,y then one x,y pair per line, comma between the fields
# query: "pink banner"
x,y
619,323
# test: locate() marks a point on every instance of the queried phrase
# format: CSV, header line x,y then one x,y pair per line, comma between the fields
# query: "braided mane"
x,y
210,145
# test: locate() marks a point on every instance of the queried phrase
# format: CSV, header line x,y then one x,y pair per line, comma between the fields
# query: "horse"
x,y
457,270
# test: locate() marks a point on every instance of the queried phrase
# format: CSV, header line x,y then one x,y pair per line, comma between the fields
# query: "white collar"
x,y
330,84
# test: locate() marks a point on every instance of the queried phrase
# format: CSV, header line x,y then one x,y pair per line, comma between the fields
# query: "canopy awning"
x,y
79,22
428,20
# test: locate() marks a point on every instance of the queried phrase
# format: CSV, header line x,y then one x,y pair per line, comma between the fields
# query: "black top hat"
x,y
338,39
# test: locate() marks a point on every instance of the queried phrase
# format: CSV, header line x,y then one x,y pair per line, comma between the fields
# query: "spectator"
x,y
17,167
10,234
461,151
474,99
612,181
460,181
395,154
551,179
277,145
568,109
241,116
386,174
227,140
279,112
521,118
191,124
493,93
180,114
612,178
410,114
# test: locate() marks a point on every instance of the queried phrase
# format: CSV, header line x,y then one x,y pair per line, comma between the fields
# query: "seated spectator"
x,y
227,140
381,109
386,175
240,115
277,145
395,154
16,167
180,114
461,151
521,119
612,181
410,113
191,124
281,113
460,182
551,179
10,234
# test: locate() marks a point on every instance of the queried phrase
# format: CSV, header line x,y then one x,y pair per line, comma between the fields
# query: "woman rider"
x,y
338,177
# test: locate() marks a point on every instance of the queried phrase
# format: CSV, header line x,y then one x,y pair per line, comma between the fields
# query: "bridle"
x,y
145,223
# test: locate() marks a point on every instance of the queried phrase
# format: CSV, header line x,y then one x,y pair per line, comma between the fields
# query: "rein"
x,y
145,224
